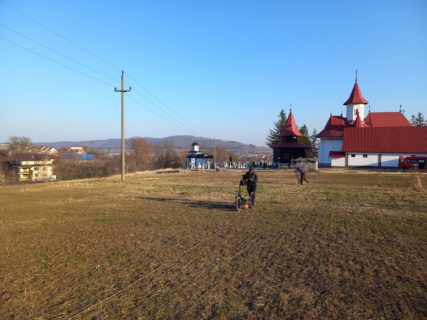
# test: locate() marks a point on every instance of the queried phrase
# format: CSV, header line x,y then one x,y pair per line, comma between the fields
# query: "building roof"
x,y
356,96
291,129
386,139
337,154
358,123
336,124
19,157
334,127
387,119
290,144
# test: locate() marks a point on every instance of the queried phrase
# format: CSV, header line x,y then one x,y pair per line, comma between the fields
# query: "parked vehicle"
x,y
412,163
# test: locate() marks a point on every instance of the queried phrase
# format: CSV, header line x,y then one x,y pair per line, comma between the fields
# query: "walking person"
x,y
301,170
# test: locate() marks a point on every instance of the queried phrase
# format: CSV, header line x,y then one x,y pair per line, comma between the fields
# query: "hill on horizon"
x,y
181,142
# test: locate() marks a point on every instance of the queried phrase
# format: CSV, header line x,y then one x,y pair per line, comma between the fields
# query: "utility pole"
x,y
122,91
214,153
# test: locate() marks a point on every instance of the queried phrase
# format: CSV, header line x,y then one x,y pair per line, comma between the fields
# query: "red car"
x,y
412,162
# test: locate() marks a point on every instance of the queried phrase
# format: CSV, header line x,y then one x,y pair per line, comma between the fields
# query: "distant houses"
x,y
76,153
36,163
33,167
45,149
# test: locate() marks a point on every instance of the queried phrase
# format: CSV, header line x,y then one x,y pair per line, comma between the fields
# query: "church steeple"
x,y
355,103
291,129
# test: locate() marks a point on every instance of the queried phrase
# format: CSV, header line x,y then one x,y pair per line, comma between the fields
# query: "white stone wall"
x,y
338,162
325,146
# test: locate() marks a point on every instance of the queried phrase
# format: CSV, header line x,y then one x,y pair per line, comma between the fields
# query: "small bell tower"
x,y
355,103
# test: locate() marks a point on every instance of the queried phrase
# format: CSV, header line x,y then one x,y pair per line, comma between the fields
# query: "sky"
x,y
220,68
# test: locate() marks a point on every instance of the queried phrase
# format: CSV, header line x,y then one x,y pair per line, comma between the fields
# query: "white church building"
x,y
377,140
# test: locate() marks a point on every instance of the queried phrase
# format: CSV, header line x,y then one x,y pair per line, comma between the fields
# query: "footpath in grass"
x,y
349,245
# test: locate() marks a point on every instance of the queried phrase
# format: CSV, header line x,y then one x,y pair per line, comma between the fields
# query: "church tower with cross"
x,y
355,103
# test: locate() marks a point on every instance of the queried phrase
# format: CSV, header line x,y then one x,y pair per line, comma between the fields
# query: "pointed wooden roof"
x,y
291,129
356,96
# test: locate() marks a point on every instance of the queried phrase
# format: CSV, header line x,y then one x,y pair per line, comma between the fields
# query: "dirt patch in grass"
x,y
348,245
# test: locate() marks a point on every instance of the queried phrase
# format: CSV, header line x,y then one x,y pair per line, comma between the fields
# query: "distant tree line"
x,y
142,155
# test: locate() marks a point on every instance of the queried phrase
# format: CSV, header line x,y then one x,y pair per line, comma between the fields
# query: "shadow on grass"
x,y
198,204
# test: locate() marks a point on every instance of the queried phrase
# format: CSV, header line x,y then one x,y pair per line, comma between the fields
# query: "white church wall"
x,y
338,162
362,159
390,160
325,146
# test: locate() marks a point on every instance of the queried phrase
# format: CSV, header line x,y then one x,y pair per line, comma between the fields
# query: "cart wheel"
x,y
253,199
238,202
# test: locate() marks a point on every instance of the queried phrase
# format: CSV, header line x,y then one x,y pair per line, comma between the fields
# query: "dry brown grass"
x,y
349,245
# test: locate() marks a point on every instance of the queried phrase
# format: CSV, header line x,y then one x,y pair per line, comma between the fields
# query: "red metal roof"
x,y
358,123
387,119
356,96
337,154
386,139
290,144
291,129
334,127
336,124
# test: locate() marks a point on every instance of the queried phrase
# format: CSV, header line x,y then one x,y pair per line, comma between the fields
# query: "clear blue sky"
x,y
225,68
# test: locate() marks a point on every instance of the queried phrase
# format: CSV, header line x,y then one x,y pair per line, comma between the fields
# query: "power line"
x,y
176,115
165,112
60,35
158,100
161,115
54,61
57,52
93,78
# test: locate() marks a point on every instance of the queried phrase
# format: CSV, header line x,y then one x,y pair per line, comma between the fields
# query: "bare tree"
x,y
142,151
167,156
4,165
19,144
221,154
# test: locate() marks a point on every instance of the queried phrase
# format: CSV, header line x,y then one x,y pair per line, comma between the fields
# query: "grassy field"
x,y
349,245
